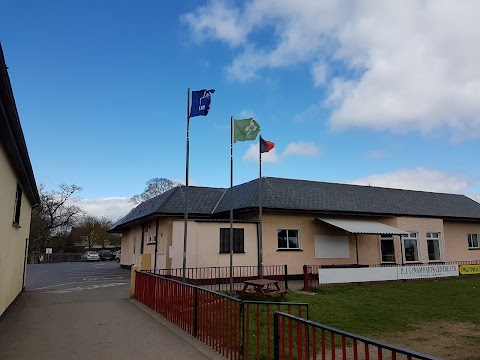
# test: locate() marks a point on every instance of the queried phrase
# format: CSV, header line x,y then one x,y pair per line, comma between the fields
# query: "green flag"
x,y
245,130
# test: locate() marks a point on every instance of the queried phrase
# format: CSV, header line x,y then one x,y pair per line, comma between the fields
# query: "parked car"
x,y
118,256
90,256
106,255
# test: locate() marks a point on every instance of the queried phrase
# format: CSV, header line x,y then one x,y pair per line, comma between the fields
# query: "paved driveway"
x,y
83,311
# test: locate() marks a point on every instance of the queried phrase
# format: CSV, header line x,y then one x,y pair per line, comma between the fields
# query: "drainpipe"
x,y
143,238
356,247
401,248
25,264
156,247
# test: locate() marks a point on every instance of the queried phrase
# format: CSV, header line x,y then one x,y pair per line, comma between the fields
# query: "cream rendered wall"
x,y
456,243
12,239
131,245
163,231
368,245
203,245
295,259
421,226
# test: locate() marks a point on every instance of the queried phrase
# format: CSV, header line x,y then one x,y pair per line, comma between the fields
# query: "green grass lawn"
x,y
370,310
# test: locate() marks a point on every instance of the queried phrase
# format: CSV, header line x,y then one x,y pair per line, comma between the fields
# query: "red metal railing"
x,y
217,278
258,325
237,329
297,338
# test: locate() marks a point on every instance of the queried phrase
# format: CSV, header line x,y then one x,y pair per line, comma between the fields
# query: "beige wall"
x,y
422,226
453,242
131,245
162,246
203,245
308,228
456,246
203,242
12,239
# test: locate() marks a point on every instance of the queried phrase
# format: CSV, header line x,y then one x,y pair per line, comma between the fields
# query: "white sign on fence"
x,y
350,275
427,271
365,274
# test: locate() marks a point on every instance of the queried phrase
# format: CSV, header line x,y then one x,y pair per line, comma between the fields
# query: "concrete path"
x,y
90,316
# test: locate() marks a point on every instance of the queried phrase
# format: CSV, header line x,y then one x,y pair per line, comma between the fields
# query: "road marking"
x,y
46,287
79,288
70,283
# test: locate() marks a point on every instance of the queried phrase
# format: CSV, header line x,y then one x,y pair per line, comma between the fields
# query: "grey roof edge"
x,y
219,200
119,224
13,139
246,205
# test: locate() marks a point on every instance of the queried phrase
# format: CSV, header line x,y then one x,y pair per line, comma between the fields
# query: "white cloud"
x,y
112,207
420,179
217,20
252,155
407,65
302,148
319,72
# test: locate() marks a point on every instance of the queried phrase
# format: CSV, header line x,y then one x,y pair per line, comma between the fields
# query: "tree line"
x,y
59,223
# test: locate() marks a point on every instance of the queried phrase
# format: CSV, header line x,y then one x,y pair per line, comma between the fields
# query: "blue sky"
x,y
385,94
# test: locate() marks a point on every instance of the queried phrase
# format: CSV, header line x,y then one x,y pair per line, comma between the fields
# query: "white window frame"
x,y
477,240
289,248
385,238
410,236
439,240
151,239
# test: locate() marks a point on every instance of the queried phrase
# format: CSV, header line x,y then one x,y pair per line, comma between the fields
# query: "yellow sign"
x,y
471,269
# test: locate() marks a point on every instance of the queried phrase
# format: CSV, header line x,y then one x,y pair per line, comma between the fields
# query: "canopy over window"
x,y
363,226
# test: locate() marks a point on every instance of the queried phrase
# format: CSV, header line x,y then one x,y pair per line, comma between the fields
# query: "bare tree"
x,y
92,231
154,187
55,214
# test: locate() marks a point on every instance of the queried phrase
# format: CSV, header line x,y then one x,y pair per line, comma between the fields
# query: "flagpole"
x,y
260,250
186,189
231,203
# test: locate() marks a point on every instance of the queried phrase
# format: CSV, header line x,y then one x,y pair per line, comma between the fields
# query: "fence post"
x,y
276,337
307,283
286,276
195,312
242,312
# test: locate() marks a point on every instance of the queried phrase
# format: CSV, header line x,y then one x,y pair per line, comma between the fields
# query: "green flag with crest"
x,y
245,130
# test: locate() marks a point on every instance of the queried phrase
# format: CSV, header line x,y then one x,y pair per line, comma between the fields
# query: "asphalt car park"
x,y
82,310
64,275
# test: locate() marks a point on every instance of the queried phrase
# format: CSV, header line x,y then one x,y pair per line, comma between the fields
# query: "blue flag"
x,y
200,102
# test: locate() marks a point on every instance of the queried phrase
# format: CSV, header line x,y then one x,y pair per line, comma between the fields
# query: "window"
x,y
288,239
387,248
238,240
151,239
433,243
410,244
473,241
18,205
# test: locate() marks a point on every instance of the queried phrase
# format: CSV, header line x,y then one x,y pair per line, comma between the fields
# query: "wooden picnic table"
x,y
262,287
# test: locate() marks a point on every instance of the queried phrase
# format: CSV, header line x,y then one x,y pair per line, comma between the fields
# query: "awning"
x,y
363,226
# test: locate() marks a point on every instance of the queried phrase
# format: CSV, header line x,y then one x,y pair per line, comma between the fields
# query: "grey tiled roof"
x,y
303,195
201,201
291,194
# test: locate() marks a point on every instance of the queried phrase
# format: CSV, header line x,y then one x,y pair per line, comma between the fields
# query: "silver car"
x,y
90,256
